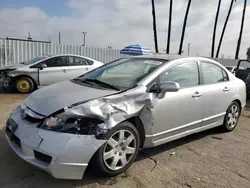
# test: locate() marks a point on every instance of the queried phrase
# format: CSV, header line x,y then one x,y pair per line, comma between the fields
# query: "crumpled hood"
x,y
12,67
52,98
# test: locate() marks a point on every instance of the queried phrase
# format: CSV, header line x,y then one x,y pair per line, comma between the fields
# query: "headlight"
x,y
74,125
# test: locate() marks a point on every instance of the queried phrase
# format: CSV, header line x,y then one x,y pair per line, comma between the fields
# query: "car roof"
x,y
175,57
158,56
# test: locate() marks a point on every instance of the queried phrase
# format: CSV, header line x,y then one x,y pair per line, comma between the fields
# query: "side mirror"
x,y
169,87
164,87
42,66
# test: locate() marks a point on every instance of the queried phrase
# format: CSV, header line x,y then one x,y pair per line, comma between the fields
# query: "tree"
x,y
184,27
241,30
215,27
169,25
248,53
224,28
154,26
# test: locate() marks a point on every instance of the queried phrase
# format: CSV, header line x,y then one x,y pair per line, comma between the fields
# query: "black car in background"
x,y
244,74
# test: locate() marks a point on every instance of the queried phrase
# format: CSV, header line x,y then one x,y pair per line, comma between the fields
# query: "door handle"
x,y
226,89
197,94
64,70
86,69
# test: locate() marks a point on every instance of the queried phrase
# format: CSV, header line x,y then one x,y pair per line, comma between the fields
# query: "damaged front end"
x,y
97,116
77,125
6,81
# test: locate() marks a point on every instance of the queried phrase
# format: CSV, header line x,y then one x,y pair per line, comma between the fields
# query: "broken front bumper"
x,y
5,81
64,156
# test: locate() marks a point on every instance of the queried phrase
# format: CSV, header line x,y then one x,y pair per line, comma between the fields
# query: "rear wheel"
x,y
24,85
119,152
232,117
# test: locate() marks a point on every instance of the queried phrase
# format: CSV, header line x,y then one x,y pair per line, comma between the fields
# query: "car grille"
x,y
42,157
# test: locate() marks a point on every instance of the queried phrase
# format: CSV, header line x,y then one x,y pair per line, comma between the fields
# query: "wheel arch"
x,y
137,122
23,75
239,103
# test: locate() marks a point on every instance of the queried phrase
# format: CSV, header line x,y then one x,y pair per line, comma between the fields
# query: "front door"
x,y
180,111
55,71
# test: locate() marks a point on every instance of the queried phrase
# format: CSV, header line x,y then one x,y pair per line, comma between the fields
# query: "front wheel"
x,y
24,85
231,117
119,152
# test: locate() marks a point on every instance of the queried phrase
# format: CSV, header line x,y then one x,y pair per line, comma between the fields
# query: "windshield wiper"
x,y
82,81
102,83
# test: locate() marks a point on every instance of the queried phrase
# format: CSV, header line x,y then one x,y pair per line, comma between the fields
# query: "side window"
x,y
186,74
77,61
244,64
225,75
213,74
56,62
90,62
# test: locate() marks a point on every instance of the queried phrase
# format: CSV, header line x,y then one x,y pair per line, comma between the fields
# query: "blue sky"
x,y
51,7
118,23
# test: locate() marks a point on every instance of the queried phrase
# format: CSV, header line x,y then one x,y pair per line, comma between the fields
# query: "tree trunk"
x,y
224,28
241,31
154,26
169,26
184,27
215,27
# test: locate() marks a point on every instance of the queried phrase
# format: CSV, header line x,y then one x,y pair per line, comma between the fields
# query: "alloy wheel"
x,y
233,116
119,150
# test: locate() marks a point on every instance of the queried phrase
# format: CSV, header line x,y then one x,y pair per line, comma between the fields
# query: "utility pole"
x,y
189,44
169,26
241,30
224,28
215,27
184,27
59,36
29,38
154,26
84,35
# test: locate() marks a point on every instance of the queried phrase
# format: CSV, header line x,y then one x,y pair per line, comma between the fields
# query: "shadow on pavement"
x,y
17,173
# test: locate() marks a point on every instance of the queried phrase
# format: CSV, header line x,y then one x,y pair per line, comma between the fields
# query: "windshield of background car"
x,y
124,73
34,60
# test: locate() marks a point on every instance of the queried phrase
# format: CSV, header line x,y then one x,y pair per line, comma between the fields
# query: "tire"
x,y
104,168
232,117
24,85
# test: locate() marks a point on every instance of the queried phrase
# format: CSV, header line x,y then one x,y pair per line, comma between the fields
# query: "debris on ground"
x,y
154,161
173,153
215,137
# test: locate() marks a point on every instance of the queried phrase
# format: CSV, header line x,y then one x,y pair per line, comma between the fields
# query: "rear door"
x,y
55,71
217,92
78,66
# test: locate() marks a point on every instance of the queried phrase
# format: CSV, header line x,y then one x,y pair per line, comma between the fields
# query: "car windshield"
x,y
123,73
34,60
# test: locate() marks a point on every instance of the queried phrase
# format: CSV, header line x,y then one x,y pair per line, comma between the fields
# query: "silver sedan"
x,y
45,70
103,118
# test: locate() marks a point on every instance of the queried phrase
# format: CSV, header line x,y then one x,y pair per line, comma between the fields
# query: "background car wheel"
x,y
231,117
24,85
119,152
